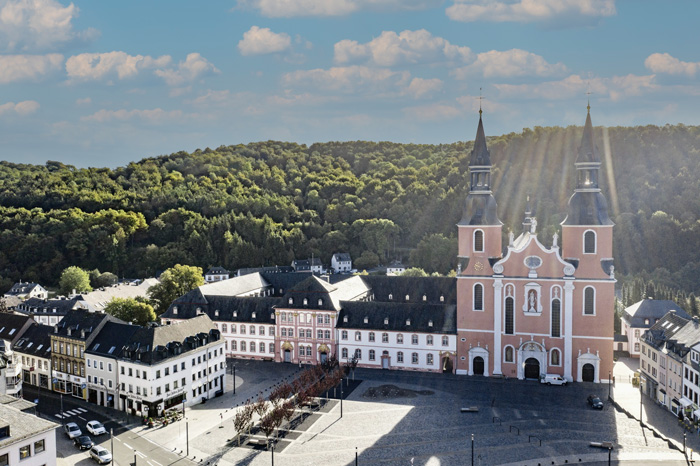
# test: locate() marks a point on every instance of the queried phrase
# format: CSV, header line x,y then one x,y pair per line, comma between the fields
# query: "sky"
x,y
102,84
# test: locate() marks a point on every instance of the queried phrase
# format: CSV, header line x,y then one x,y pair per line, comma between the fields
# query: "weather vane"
x,y
588,93
480,97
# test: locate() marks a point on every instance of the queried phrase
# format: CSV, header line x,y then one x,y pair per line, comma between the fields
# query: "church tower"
x,y
587,240
479,247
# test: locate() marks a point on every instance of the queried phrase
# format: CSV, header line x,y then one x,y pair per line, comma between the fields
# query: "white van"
x,y
553,379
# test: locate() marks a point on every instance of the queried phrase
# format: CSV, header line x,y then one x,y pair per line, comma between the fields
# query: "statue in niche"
x,y
532,301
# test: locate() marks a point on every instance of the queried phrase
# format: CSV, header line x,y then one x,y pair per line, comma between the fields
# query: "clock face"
x,y
478,266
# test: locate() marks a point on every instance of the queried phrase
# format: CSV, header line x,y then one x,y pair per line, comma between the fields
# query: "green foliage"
x,y
269,202
174,282
74,278
414,272
131,310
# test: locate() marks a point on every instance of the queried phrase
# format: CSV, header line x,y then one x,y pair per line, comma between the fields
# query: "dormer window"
x,y
430,323
391,296
235,313
386,321
345,319
425,298
442,299
407,297
408,321
253,315
320,302
366,319
216,313
306,302
174,310
291,301
272,315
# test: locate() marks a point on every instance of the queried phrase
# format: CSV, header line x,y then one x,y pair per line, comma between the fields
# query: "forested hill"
x,y
270,202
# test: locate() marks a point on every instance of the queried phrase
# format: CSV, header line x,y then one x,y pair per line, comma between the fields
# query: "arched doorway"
x,y
532,368
478,364
588,373
447,364
385,359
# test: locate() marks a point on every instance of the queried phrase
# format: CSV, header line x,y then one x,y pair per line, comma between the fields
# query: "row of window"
x,y
39,363
399,338
166,370
25,452
429,358
321,319
250,329
589,241
69,367
533,300
67,349
555,316
234,345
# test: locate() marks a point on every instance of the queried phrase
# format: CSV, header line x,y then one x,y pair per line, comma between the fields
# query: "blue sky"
x,y
94,83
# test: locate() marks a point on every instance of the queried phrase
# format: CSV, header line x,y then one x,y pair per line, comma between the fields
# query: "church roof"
x,y
480,209
480,155
401,317
587,151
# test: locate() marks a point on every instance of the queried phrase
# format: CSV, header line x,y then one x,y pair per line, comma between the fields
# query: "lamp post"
x,y
62,419
272,449
684,434
187,436
183,406
609,454
609,384
472,449
341,399
134,457
640,401
234,379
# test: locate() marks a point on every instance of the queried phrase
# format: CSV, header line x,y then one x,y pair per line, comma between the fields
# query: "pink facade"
x,y
304,336
530,309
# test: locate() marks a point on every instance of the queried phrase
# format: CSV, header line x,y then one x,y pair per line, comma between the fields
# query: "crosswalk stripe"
x,y
58,416
82,410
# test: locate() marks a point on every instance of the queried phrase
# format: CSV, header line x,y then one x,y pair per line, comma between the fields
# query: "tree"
x,y
243,420
414,272
174,282
74,278
131,310
105,279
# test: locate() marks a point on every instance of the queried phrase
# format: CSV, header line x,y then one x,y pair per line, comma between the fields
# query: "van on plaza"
x,y
553,379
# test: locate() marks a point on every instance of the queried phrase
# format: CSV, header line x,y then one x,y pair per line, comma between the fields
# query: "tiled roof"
x,y
21,288
342,257
217,271
82,324
98,299
401,317
234,286
22,425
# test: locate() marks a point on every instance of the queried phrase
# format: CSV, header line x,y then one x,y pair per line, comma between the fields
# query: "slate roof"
x,y
664,329
21,288
587,151
22,425
234,286
342,257
685,338
217,271
34,306
415,287
306,264
98,299
12,326
80,320
231,309
151,345
480,154
314,288
111,339
18,403
443,317
652,309
35,341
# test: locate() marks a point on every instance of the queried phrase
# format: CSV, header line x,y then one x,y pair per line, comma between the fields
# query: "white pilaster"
x,y
568,328
497,315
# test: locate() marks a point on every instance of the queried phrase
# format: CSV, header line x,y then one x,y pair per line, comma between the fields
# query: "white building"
x,y
34,350
11,328
312,265
158,367
395,268
27,290
49,311
26,439
216,274
640,316
341,262
98,299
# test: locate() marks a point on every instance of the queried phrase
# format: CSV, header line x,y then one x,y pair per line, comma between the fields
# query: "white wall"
x,y
47,457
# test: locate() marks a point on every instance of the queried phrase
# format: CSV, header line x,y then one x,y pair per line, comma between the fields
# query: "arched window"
x,y
414,358
371,336
589,242
414,339
478,297
508,354
344,353
243,346
306,302
358,336
391,296
291,300
234,345
556,317
320,302
371,355
510,316
399,338
385,338
589,301
555,357
358,353
252,347
478,241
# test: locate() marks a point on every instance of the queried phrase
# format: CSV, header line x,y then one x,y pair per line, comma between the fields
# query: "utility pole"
x,y
111,442
187,435
472,449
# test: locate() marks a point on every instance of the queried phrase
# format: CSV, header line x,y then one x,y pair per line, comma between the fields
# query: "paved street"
x,y
406,418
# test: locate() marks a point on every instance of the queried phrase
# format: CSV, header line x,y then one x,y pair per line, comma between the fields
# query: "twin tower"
x,y
527,310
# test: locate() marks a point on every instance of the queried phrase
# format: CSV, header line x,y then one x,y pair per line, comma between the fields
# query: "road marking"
x,y
128,446
82,410
141,454
156,462
58,416
117,439
81,417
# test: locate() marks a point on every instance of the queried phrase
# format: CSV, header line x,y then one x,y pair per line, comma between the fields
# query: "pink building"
x,y
529,309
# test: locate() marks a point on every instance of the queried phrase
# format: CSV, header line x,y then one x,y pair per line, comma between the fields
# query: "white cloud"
x,y
667,64
38,24
23,67
83,101
510,63
194,67
407,47
420,87
258,41
527,11
95,66
616,87
150,115
289,8
432,112
350,79
23,108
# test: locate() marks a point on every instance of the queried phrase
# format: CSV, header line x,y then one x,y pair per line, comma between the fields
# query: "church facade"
x,y
530,309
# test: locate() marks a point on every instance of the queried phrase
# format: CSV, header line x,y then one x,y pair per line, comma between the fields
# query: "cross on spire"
x,y
480,98
588,93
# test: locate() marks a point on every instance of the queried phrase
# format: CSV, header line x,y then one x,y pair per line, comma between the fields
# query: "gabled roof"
x,y
652,309
12,326
217,271
664,329
22,288
98,299
342,257
46,306
22,425
234,286
306,264
82,325
400,317
112,339
35,341
230,309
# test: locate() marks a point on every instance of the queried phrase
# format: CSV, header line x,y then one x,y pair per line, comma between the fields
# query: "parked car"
x,y
84,442
96,428
553,379
595,402
100,454
72,430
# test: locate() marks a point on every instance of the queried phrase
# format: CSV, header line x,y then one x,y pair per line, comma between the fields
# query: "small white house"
x,y
25,290
341,262
395,268
216,274
26,439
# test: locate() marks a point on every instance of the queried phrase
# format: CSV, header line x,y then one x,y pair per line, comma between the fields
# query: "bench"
x,y
606,445
471,409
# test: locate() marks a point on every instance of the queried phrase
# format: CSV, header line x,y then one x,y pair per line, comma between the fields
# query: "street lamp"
x,y
341,399
234,378
111,442
640,401
609,384
187,436
472,449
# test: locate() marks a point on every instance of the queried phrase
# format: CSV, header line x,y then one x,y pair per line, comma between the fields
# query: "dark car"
x,y
83,442
595,402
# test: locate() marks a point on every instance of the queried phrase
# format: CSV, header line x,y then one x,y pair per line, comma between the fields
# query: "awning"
x,y
696,413
685,402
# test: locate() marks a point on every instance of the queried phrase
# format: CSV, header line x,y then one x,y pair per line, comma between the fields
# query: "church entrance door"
x,y
478,365
532,368
588,373
287,356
